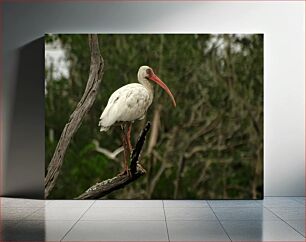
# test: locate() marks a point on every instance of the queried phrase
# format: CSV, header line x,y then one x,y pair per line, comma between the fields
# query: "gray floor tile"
x,y
118,231
300,200
21,203
233,203
281,202
70,203
189,214
289,213
196,231
7,224
39,230
55,230
298,225
186,219
25,232
11,213
244,214
57,213
128,203
124,214
261,231
185,203
7,227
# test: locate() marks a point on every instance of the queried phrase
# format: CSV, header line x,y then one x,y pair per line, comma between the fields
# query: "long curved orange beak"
x,y
156,79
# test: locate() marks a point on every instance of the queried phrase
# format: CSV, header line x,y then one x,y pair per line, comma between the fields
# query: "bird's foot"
x,y
126,171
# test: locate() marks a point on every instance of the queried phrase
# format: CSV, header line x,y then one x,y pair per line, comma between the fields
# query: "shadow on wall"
x,y
25,154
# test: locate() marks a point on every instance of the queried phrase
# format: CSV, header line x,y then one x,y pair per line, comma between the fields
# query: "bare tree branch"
x,y
109,154
155,129
205,129
184,155
121,180
181,164
75,120
164,165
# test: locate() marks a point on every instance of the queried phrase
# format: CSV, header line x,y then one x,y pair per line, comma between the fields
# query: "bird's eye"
x,y
149,71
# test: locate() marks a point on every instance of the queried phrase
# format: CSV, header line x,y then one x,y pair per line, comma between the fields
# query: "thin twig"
x,y
109,154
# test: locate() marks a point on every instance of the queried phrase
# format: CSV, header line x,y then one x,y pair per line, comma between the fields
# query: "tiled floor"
x,y
273,219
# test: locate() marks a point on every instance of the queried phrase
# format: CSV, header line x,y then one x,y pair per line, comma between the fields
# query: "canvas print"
x,y
154,116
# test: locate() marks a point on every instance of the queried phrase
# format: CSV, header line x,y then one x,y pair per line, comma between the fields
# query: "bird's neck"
x,y
148,86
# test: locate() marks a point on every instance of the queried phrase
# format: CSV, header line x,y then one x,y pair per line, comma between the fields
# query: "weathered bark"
x,y
121,180
75,120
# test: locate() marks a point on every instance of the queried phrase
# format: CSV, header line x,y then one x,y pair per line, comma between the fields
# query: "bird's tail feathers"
x,y
107,119
102,127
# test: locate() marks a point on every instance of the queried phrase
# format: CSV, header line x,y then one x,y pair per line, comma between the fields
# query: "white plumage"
x,y
128,103
132,101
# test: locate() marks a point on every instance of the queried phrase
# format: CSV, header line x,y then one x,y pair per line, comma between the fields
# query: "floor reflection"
x,y
274,219
25,230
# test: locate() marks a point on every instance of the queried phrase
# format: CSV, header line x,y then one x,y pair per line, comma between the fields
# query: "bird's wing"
x,y
128,103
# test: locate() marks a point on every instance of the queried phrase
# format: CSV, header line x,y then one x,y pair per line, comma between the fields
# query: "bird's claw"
x,y
126,171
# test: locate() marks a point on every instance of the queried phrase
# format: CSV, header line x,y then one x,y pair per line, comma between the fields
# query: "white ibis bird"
x,y
130,103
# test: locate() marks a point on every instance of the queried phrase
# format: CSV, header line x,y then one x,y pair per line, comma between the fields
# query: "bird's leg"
x,y
129,126
128,144
126,150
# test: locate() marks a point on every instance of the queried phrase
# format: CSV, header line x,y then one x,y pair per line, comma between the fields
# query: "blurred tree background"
x,y
209,147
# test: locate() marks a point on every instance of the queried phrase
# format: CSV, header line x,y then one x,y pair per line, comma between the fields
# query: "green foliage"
x,y
209,147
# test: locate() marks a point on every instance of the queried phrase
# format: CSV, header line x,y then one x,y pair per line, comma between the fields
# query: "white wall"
x,y
283,24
